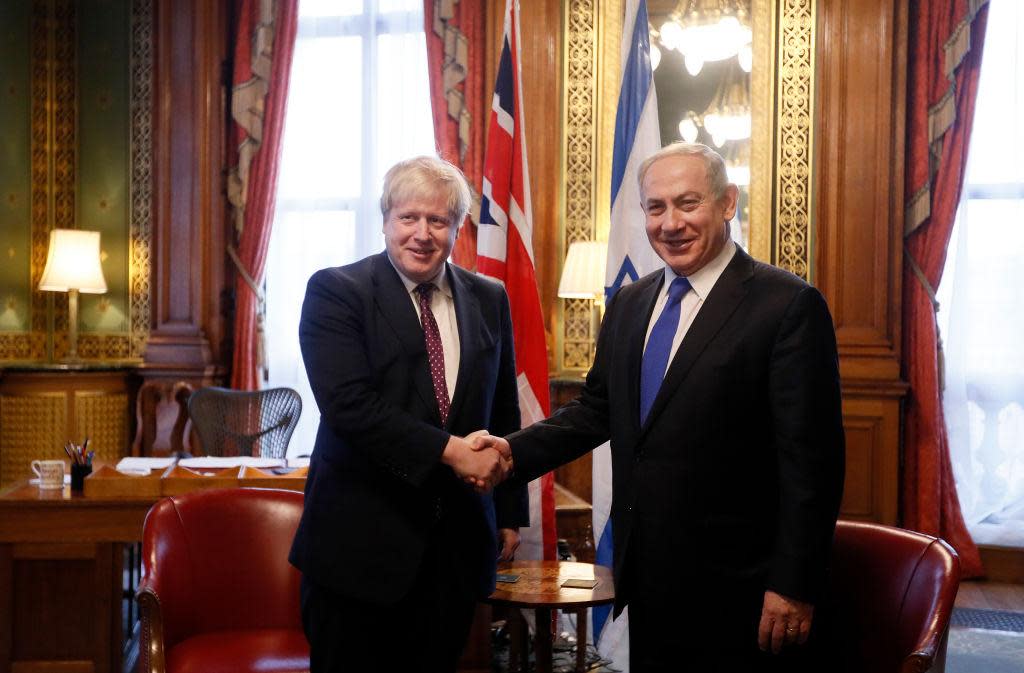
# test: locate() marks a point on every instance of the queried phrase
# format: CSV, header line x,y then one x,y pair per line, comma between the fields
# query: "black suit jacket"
x,y
737,473
376,492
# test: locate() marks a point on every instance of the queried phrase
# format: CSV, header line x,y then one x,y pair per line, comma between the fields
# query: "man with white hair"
x,y
406,355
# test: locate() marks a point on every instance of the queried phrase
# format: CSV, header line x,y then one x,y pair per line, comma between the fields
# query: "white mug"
x,y
50,473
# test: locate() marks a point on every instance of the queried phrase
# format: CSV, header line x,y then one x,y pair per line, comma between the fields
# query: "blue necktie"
x,y
659,347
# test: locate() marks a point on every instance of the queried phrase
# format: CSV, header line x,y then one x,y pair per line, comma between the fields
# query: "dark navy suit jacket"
x,y
737,473
376,492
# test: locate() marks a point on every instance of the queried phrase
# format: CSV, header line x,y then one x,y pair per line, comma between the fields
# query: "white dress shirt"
x,y
701,283
442,305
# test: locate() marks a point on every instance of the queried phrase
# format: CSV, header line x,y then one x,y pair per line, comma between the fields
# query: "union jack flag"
x,y
505,253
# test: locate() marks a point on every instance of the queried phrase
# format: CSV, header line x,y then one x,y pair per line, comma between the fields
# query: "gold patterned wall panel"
x,y
31,427
141,171
580,183
782,97
762,156
54,134
53,143
793,140
101,417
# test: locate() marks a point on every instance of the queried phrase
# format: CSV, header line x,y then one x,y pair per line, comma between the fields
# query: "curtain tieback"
x,y
940,354
261,311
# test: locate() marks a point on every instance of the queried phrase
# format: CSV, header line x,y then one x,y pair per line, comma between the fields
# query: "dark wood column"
x,y
861,74
189,327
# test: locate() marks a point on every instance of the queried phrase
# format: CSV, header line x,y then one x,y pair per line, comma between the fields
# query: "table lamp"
x,y
73,266
583,276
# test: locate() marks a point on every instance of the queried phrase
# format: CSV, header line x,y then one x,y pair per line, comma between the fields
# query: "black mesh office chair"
x,y
240,423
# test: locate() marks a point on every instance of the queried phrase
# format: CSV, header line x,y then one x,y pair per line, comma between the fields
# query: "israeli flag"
x,y
637,136
630,256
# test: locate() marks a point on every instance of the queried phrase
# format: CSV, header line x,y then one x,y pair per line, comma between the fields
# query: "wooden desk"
x,y
540,588
62,578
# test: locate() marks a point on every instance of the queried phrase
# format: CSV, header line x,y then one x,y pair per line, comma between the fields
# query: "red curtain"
x,y
456,50
945,49
265,41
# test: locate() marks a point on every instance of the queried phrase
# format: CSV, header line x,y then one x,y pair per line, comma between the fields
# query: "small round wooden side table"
x,y
539,588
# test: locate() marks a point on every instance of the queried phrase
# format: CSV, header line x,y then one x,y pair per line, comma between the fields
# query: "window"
x,y
981,316
358,101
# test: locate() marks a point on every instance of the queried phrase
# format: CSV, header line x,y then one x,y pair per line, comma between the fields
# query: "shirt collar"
x,y
440,280
704,278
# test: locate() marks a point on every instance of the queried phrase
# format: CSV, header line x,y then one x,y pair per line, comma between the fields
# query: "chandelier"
x,y
727,118
708,30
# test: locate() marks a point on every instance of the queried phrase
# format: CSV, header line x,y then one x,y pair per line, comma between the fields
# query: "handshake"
x,y
481,460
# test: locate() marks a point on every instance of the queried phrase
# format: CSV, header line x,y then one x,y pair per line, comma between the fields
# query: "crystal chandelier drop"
x,y
708,30
729,117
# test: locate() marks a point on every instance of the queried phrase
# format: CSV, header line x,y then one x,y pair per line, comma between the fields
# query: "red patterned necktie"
x,y
434,350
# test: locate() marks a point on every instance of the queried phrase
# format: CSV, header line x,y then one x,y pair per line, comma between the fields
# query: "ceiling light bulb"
x,y
746,57
693,64
671,32
688,130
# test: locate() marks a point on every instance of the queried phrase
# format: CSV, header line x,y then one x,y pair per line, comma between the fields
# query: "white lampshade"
x,y
73,262
583,273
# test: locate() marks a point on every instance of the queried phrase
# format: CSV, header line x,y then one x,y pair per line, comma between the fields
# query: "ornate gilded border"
x,y
783,121
142,172
794,137
762,155
580,151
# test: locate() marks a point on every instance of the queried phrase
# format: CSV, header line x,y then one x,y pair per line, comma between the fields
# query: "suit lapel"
x,y
394,303
471,326
725,296
635,333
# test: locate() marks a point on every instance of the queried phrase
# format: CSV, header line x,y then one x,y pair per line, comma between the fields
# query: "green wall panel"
x,y
15,167
103,195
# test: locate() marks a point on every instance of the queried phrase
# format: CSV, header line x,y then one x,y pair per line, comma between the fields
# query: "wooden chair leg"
x,y
519,642
542,641
581,640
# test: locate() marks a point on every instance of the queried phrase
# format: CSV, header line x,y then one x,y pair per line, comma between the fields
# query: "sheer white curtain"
x,y
358,102
982,297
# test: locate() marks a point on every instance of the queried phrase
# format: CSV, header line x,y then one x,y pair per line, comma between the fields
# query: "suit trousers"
x,y
686,621
425,631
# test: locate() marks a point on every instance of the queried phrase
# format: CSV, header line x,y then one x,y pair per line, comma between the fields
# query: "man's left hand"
x,y
509,540
784,621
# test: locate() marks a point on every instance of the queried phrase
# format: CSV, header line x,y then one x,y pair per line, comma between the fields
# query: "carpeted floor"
x,y
993,620
984,651
981,641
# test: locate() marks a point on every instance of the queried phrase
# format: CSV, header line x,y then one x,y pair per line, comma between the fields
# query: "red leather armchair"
x,y
217,591
890,599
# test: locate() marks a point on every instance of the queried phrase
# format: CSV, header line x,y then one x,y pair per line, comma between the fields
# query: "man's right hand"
x,y
486,441
482,468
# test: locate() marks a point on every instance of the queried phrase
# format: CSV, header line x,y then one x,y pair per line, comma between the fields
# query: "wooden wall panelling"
x,y
859,212
872,423
190,207
1002,564
41,410
861,63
